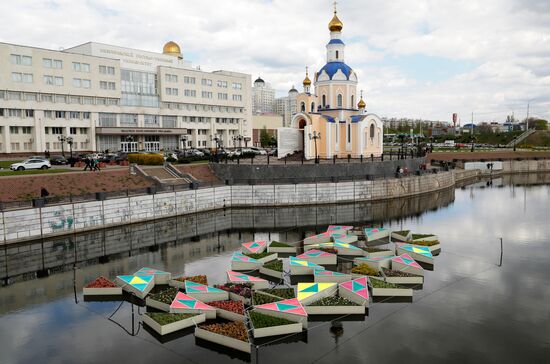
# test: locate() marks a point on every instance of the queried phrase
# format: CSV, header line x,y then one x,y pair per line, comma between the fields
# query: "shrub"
x,y
334,301
258,255
396,273
244,290
420,236
163,318
276,265
171,159
426,243
190,159
365,270
236,330
329,250
278,244
260,299
146,159
378,283
259,320
165,296
285,293
371,249
402,232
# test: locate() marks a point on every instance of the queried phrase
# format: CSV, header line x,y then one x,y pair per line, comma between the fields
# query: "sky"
x,y
416,59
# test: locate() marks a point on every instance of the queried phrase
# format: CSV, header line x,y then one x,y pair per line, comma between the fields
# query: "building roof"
x,y
336,41
259,80
332,67
330,119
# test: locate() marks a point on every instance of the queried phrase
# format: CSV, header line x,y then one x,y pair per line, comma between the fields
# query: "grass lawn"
x,y
7,164
34,171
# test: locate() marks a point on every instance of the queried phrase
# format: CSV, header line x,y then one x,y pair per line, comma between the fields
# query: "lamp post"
x,y
62,139
515,143
218,141
184,142
473,139
316,135
70,142
240,138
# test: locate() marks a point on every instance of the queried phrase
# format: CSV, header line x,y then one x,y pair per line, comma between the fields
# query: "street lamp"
x,y
62,139
240,138
218,141
184,142
473,139
515,143
316,135
70,142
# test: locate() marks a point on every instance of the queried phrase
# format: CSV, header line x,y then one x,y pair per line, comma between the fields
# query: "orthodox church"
x,y
331,118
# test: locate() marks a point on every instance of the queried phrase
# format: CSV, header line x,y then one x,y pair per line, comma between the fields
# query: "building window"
x,y
87,83
86,115
171,78
312,107
128,119
303,107
172,91
48,80
352,102
237,86
372,131
74,115
324,100
26,129
222,96
151,120
206,95
81,67
87,100
169,121
22,77
188,79
48,114
336,54
72,131
105,85
14,113
222,84
349,133
107,119
60,114
83,131
339,101
15,147
77,82
16,77
237,98
56,130
14,130
206,82
21,60
29,113
52,63
106,70
190,93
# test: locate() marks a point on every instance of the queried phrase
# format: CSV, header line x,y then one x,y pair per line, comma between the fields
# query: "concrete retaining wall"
x,y
31,224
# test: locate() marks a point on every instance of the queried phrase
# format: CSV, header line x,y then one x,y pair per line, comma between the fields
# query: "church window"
x,y
324,100
312,107
339,100
372,131
336,54
349,133
303,107
352,102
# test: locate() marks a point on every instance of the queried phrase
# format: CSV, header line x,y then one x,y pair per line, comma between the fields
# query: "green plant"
x,y
260,299
334,301
402,232
259,320
420,236
165,296
163,318
397,273
276,265
278,244
146,159
258,255
378,283
371,249
202,279
329,250
364,270
426,243
285,293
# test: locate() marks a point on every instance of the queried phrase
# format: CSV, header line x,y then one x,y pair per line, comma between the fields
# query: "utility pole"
x,y
527,120
472,124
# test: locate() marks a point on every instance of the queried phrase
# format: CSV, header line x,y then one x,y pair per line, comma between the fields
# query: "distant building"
x,y
286,106
268,121
263,96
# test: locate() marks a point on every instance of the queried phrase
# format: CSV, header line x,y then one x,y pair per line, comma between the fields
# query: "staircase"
x,y
521,138
166,175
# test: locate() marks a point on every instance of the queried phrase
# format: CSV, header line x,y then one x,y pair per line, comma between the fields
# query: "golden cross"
x,y
335,3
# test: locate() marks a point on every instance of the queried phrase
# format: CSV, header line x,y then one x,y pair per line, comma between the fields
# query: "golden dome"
x,y
172,48
361,104
335,24
307,81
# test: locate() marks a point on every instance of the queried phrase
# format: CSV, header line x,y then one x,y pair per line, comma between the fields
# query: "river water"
x,y
473,307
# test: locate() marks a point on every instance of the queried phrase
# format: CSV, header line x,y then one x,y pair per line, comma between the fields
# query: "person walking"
x,y
87,162
96,165
44,192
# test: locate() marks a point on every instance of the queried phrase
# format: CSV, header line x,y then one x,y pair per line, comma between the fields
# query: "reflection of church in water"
x,y
332,117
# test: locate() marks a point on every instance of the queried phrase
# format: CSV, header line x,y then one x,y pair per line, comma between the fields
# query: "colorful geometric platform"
x,y
192,287
376,233
342,237
318,257
239,261
417,252
240,257
186,304
254,247
330,276
318,239
339,228
375,262
355,291
236,277
138,285
292,306
161,277
405,263
299,266
310,292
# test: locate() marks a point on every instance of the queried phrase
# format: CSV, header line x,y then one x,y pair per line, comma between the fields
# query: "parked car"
x,y
259,151
207,152
32,163
58,160
273,152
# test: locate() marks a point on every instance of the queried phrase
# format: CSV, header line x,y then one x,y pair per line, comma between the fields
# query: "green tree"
x,y
265,138
538,124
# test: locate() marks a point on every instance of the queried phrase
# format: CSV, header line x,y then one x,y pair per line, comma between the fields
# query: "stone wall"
x,y
28,224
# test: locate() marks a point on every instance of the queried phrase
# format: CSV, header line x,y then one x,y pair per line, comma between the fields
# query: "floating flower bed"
x,y
376,263
254,247
330,276
328,250
187,304
417,252
273,269
279,247
356,291
240,261
339,228
162,300
259,298
345,248
101,287
362,270
405,263
318,257
263,257
238,292
284,293
309,292
302,267
229,310
179,282
205,293
137,285
334,306
376,233
386,289
402,235
238,278
398,277
423,237
232,334
264,325
433,245
343,238
373,252
166,323
290,309
160,276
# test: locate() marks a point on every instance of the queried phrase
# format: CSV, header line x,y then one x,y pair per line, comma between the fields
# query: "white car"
x,y
32,163
259,151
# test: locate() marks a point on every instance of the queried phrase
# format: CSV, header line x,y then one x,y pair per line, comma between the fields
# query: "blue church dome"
x,y
332,67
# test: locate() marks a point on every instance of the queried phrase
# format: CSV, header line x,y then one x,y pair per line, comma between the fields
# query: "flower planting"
x,y
333,301
364,270
378,283
278,244
165,296
372,249
166,323
285,293
421,236
260,299
426,243
276,265
231,306
101,282
396,273
202,279
259,320
402,232
243,290
163,318
235,330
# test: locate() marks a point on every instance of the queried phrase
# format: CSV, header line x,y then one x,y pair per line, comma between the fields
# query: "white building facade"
x,y
263,97
113,98
286,106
